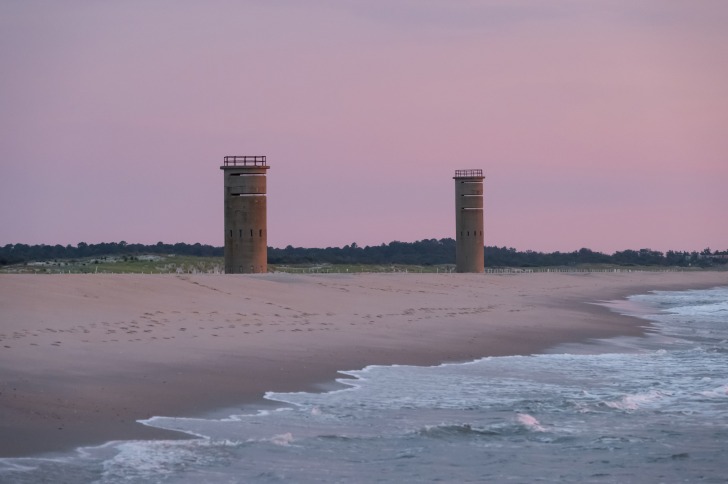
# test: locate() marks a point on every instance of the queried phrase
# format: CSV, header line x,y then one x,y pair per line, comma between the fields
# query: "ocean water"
x,y
651,409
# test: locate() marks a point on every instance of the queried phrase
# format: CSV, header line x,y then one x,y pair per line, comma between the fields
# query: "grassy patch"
x,y
358,268
136,264
179,264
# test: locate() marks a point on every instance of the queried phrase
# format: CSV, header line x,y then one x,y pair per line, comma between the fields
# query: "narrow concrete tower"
x,y
246,225
469,221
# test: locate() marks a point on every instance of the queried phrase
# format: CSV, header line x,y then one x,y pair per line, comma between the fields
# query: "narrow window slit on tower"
x,y
260,232
251,232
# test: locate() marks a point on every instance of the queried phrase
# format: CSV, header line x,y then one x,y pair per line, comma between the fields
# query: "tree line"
x,y
421,252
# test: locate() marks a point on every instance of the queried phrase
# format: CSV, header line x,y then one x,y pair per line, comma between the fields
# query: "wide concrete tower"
x,y
469,221
246,225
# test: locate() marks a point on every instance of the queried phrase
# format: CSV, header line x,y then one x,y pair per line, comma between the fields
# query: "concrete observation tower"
x,y
246,225
469,221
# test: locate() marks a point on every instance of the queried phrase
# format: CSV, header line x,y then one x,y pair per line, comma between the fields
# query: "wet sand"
x,y
83,357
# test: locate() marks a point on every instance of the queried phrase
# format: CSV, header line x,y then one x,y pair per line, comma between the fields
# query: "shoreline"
x,y
84,357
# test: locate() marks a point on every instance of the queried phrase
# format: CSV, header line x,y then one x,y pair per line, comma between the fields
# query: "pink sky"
x,y
599,124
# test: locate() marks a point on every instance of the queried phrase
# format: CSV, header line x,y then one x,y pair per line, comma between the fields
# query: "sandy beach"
x,y
83,357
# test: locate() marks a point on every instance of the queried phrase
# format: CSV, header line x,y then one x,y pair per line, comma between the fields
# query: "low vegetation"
x,y
430,255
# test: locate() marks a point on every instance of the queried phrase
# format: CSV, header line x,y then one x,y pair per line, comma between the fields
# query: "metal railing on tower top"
x,y
468,173
244,161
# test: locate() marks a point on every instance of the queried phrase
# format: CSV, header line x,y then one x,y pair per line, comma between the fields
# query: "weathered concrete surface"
x,y
246,225
469,221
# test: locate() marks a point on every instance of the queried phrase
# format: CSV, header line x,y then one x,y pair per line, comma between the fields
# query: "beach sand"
x,y
83,357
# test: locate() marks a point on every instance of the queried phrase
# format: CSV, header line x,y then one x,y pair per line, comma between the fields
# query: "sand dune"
x,y
85,356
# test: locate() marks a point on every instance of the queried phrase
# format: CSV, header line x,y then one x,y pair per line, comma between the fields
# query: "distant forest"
x,y
421,252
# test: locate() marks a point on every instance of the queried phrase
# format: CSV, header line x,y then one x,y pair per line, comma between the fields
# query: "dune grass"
x,y
181,264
